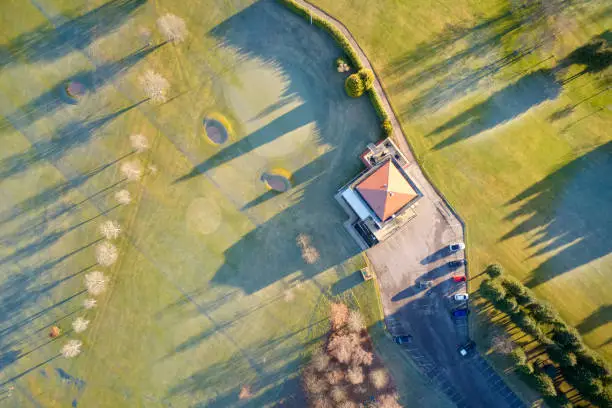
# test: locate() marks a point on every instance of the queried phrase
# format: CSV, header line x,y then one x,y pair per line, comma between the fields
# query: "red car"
x,y
459,278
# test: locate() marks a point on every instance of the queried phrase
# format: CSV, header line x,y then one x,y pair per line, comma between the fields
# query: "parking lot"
x,y
417,290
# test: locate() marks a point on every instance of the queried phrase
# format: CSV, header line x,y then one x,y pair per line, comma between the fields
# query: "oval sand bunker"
x,y
215,131
278,180
203,216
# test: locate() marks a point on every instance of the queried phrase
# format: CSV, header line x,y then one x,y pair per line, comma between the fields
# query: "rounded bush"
x,y
542,312
494,270
518,356
492,290
513,286
387,128
354,86
544,384
367,78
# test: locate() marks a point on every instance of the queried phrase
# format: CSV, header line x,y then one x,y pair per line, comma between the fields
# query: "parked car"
x,y
459,278
457,263
403,339
457,246
461,297
467,348
460,313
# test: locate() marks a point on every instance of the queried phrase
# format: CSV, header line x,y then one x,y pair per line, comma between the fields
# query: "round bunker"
x,y
75,90
277,180
216,132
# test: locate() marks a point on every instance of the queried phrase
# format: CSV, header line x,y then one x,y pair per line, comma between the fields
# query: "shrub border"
x,y
346,46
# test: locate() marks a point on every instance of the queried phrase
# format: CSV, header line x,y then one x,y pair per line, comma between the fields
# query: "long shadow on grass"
x,y
567,213
46,43
59,144
600,317
503,106
56,96
276,37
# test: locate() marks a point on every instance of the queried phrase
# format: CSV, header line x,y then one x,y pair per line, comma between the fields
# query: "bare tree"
x,y
387,401
95,282
123,197
71,349
155,86
341,347
89,303
361,357
338,314
313,384
172,28
319,361
132,170
338,394
379,378
110,229
139,142
355,321
321,401
347,404
335,376
355,375
80,324
106,253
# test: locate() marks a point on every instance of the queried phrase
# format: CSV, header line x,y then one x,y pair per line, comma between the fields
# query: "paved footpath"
x,y
417,254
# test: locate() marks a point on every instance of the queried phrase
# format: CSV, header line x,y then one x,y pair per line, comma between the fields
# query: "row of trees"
x,y
346,372
581,367
106,252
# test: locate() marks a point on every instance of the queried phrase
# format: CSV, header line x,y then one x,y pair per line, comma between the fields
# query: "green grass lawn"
x,y
522,155
210,292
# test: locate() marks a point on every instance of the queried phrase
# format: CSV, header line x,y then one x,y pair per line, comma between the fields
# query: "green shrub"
x,y
492,290
592,362
494,270
513,286
387,128
378,105
604,399
340,61
544,384
560,401
560,356
507,305
518,356
526,298
524,369
542,312
354,86
567,338
527,323
367,78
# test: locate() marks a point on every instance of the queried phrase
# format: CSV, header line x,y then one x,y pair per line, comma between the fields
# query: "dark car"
x,y
457,263
460,313
404,339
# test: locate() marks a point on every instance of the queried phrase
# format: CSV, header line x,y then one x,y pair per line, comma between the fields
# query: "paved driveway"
x,y
417,287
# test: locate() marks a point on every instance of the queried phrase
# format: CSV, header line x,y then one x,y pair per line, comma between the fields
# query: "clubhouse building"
x,y
382,198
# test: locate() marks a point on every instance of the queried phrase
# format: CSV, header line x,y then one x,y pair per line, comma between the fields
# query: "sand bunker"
x,y
215,131
277,181
75,90
203,216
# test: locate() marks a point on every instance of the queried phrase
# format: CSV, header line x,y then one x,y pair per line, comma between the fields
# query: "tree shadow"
x,y
56,96
600,317
430,275
347,283
439,254
323,100
594,56
515,99
70,136
567,212
47,43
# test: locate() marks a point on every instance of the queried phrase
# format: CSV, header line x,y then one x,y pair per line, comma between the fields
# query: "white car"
x,y
460,297
457,246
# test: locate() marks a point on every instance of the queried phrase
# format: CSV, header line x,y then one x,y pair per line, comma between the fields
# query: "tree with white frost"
x,y
80,324
89,303
95,282
155,86
72,348
139,142
172,28
106,253
132,170
123,197
110,229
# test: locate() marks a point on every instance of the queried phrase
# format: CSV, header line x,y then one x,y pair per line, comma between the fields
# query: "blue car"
x,y
403,339
460,313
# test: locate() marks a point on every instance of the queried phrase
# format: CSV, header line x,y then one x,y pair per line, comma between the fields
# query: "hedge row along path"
x,y
469,382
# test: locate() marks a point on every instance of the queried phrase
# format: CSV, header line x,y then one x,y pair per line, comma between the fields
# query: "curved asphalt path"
x,y
416,253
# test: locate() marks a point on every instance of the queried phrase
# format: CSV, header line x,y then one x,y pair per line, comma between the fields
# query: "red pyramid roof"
x,y
386,190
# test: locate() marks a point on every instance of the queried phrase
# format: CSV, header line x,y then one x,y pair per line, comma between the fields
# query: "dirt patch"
x,y
310,254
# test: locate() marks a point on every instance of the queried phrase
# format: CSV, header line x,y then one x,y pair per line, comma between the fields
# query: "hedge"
x,y
346,47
